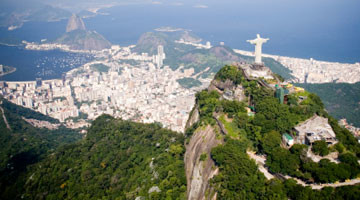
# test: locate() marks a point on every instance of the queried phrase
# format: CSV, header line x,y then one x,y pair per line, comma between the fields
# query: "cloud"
x,y
177,4
156,2
200,6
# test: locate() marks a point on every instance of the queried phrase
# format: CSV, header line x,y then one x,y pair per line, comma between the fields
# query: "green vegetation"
x,y
117,160
340,99
320,148
25,112
25,145
231,73
203,157
100,68
239,177
208,102
232,128
200,59
189,82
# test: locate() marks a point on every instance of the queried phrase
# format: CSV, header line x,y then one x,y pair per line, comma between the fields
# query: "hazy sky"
x,y
307,24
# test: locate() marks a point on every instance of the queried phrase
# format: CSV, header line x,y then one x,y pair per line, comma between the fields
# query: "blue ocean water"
x,y
324,30
39,64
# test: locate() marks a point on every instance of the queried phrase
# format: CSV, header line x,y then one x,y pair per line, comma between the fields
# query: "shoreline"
x,y
9,72
250,53
10,45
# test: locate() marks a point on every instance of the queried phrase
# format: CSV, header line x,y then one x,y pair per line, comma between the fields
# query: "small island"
x,y
4,70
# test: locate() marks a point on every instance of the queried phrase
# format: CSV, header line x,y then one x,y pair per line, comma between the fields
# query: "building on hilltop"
x,y
314,129
288,140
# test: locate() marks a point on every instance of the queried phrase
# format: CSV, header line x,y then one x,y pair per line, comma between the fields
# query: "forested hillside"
x,y
23,144
239,177
342,100
117,160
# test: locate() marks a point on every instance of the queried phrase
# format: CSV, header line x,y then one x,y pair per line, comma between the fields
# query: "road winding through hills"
x,y
260,161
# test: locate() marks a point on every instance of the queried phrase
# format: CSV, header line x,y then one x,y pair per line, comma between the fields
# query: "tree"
x,y
320,148
270,141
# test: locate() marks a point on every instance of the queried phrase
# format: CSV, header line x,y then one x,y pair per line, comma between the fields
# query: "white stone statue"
x,y
258,44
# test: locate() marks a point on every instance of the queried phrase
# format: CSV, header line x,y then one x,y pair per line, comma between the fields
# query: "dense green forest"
x,y
342,100
117,160
239,177
23,145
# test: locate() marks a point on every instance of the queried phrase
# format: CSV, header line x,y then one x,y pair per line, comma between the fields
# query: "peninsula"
x,y
5,70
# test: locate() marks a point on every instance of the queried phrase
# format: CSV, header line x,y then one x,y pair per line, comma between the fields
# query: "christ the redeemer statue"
x,y
258,44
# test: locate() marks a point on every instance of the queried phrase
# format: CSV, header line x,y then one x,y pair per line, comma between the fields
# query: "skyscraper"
x,y
160,57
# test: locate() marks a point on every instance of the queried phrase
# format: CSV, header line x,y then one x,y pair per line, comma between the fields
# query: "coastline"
x,y
9,72
10,45
303,70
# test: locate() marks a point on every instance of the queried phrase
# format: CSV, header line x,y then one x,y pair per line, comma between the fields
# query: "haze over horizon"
x,y
324,29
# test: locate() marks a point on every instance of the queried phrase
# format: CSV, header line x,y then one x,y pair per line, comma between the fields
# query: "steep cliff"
x,y
84,40
78,38
200,168
75,23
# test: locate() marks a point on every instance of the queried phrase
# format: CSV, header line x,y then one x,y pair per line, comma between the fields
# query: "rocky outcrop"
x,y
194,117
75,23
78,38
221,86
84,40
239,94
199,172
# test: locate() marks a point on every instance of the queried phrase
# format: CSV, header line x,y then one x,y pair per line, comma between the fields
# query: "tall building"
x,y
1,69
160,57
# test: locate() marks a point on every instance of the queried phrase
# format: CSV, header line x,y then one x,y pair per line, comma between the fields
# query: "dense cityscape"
x,y
145,92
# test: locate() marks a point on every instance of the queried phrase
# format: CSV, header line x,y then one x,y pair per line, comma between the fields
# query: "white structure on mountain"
x,y
258,46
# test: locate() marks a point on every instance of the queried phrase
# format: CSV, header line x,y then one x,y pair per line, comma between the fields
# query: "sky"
x,y
314,25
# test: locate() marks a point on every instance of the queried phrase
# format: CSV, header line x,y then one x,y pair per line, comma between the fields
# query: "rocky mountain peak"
x,y
75,23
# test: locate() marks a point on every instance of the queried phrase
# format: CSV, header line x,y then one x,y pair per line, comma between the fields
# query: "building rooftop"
x,y
316,128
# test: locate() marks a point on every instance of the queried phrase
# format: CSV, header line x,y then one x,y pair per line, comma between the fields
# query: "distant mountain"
x,y
178,54
16,12
75,23
342,100
49,13
78,38
148,42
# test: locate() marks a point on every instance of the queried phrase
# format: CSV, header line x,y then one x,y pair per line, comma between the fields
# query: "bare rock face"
x,y
78,38
199,172
84,40
239,93
194,117
75,23
221,86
